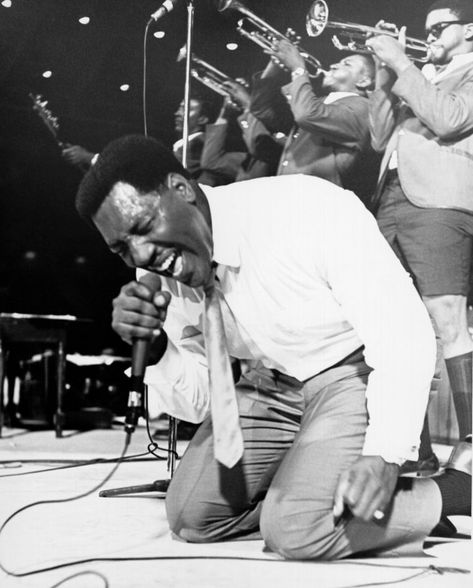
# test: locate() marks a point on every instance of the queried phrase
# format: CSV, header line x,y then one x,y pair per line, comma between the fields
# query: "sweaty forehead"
x,y
127,201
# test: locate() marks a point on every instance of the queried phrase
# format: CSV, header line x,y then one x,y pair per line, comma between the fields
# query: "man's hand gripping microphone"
x,y
139,360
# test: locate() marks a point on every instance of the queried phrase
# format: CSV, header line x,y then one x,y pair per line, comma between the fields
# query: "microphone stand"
x,y
187,80
162,485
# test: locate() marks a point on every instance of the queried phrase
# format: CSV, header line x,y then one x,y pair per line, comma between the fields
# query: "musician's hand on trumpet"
x,y
385,26
390,52
286,55
238,93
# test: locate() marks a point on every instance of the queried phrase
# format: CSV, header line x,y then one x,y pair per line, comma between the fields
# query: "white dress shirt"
x,y
306,278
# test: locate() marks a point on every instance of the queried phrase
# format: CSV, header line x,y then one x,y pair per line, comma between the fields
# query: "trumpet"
x,y
260,32
212,77
355,34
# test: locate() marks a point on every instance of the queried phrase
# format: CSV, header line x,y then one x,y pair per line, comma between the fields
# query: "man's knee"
x,y
186,519
295,534
449,315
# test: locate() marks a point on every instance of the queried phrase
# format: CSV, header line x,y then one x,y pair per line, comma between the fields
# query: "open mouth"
x,y
171,265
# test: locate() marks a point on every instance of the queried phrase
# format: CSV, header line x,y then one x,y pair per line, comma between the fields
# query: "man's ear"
x,y
365,84
180,186
469,32
202,120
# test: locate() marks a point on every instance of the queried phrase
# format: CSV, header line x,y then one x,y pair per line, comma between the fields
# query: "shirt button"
x,y
285,163
402,132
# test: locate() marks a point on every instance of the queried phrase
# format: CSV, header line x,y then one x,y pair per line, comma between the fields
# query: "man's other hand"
x,y
77,155
366,488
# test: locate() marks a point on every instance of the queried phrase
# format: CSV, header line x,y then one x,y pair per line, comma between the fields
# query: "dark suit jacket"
x,y
204,158
194,152
331,141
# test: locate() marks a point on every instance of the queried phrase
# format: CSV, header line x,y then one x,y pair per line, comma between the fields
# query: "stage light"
x,y
125,87
7,3
232,46
84,20
159,34
47,74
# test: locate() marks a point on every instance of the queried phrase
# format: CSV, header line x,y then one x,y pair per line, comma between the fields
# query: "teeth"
x,y
167,262
177,266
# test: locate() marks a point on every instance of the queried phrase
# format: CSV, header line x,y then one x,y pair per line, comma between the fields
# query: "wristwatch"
x,y
297,73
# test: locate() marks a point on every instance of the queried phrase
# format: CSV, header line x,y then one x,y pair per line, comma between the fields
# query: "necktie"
x,y
228,440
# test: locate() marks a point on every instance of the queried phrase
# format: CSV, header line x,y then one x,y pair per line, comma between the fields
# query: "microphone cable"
x,y
151,449
63,500
421,570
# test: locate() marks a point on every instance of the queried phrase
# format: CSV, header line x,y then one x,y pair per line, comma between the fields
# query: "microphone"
x,y
164,9
139,360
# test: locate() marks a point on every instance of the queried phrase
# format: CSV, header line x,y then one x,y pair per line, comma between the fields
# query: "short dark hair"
x,y
370,68
140,161
462,9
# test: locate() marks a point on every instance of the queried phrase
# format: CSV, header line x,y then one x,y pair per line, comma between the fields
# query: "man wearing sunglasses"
x,y
423,121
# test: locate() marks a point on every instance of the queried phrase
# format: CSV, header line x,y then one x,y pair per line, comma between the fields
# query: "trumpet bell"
x,y
263,34
224,4
317,18
355,35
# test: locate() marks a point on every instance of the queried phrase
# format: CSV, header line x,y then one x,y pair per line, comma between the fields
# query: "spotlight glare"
x,y
47,74
125,87
159,34
84,20
232,46
7,3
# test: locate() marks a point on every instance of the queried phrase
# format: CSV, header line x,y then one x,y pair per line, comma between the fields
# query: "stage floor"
x,y
136,527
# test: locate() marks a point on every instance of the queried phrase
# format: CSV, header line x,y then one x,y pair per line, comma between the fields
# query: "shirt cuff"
x,y
390,452
169,390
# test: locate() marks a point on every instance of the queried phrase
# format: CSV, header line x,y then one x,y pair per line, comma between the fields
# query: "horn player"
x,y
423,121
326,122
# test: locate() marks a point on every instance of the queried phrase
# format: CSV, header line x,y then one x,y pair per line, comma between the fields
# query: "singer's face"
x,y
162,231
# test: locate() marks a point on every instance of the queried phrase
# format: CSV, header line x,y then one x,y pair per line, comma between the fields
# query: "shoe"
x,y
444,528
460,458
421,467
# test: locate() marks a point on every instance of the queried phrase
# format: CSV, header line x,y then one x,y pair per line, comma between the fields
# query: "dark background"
x,y
50,261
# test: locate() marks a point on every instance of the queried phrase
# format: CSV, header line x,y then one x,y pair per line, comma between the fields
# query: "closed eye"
x,y
142,227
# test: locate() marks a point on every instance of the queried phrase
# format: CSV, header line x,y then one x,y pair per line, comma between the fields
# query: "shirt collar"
x,y
225,223
334,96
179,143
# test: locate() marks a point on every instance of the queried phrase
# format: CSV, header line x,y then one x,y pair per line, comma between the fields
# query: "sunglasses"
x,y
437,29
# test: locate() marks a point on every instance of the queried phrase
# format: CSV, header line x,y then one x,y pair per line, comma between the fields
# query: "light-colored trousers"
x,y
299,437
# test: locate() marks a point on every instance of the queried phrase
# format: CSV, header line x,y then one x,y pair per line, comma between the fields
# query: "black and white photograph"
x,y
236,293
